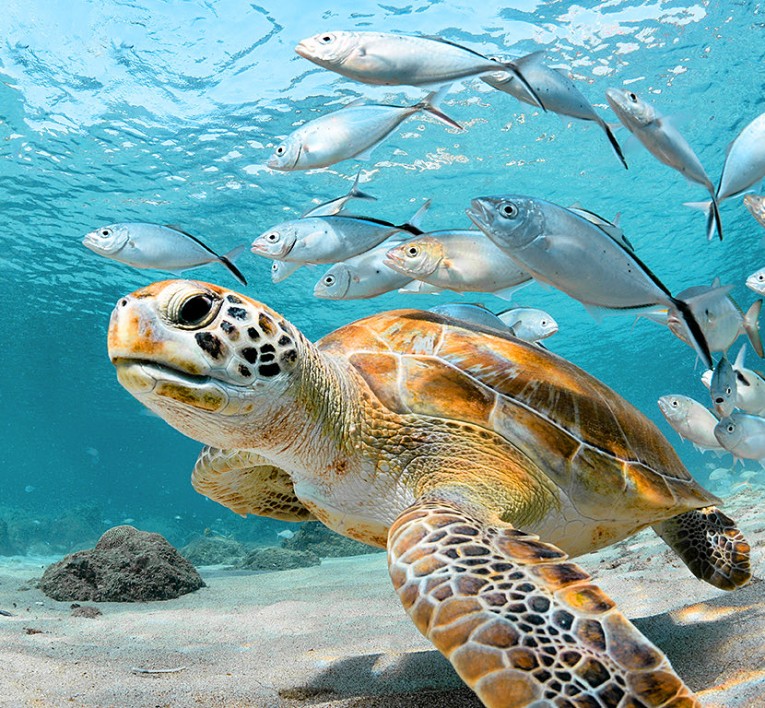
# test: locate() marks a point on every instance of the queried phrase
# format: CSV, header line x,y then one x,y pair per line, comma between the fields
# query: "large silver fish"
x,y
460,261
328,239
721,319
361,277
756,281
662,140
145,245
744,166
557,92
755,203
384,59
352,131
690,420
743,435
561,248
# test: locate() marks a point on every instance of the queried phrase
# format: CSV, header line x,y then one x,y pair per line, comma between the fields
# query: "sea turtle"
x,y
479,461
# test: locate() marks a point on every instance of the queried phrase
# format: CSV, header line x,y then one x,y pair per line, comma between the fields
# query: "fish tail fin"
x,y
430,105
713,216
696,334
614,144
228,261
752,326
513,68
356,193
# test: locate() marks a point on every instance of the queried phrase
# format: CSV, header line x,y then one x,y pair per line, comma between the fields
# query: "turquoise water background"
x,y
167,111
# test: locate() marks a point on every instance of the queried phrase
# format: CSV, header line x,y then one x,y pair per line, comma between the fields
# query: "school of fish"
x,y
517,238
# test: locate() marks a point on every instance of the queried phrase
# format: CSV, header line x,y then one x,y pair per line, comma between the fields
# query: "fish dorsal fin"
x,y
507,293
739,363
716,282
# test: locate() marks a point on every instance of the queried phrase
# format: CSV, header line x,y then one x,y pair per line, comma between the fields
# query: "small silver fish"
x,y
557,92
361,277
460,261
561,248
353,131
755,203
719,316
690,420
723,389
471,313
529,323
144,245
384,59
328,239
744,166
662,140
281,270
743,435
750,386
336,205
756,281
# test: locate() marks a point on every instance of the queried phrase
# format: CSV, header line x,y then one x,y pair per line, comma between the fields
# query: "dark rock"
x,y
85,611
315,536
279,559
214,550
127,565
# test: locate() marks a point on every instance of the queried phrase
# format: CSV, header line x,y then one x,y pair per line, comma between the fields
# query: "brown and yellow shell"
x,y
590,441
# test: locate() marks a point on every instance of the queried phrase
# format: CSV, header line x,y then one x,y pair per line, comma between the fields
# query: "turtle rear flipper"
x,y
709,543
521,625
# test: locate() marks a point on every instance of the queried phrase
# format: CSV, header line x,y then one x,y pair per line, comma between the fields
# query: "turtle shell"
x,y
598,448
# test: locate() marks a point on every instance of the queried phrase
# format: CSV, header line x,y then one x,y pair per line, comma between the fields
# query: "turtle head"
x,y
214,364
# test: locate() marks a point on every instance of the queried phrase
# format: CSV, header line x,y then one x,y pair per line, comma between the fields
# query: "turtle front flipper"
x,y
247,483
709,543
521,625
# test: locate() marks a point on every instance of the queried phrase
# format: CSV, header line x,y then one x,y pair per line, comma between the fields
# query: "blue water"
x,y
166,112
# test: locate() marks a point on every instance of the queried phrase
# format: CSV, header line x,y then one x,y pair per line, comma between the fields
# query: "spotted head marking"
x,y
183,344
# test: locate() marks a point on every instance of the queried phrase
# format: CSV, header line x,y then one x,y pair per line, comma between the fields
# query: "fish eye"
x,y
273,237
728,391
412,251
280,150
329,279
673,403
195,310
543,323
731,427
326,38
632,97
509,210
275,266
761,277
106,232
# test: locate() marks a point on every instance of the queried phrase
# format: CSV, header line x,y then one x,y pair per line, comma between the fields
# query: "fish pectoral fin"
x,y
752,326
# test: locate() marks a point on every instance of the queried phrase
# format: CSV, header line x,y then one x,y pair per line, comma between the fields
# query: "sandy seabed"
x,y
336,635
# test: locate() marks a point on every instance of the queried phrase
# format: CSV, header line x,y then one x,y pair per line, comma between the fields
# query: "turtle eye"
x,y
273,237
412,251
327,38
195,310
509,210
632,97
329,279
280,150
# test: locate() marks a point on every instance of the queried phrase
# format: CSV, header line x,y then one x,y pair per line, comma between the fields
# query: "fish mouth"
x,y
303,50
395,262
478,213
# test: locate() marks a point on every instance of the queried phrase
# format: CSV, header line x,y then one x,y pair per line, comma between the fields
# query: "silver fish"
x,y
361,277
144,245
353,131
471,313
328,239
755,203
750,386
743,435
756,281
561,248
384,59
690,420
744,165
719,316
460,261
281,270
529,323
723,388
662,140
557,92
335,206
